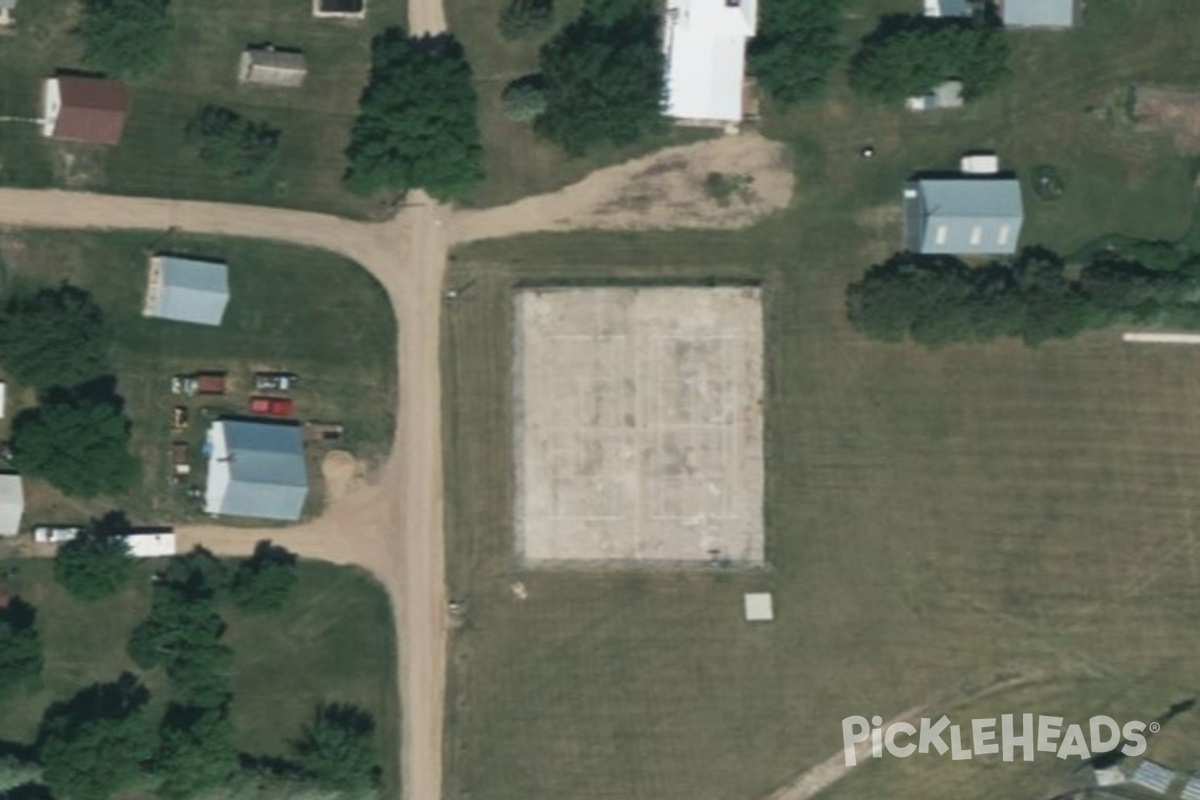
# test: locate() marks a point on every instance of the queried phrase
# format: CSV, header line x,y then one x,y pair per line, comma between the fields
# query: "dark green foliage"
x,y
15,772
907,56
335,750
97,563
417,125
78,442
264,581
797,46
182,634
95,744
233,146
54,337
196,751
526,19
20,648
126,38
525,98
198,574
936,300
603,75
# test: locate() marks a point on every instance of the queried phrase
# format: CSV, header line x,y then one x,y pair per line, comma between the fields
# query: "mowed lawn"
x,y
283,314
973,530
153,157
285,664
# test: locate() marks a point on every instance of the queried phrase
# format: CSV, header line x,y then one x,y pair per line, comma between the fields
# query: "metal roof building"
x,y
1191,789
1039,13
256,469
12,503
1154,777
187,290
963,216
151,545
948,8
705,45
266,66
80,109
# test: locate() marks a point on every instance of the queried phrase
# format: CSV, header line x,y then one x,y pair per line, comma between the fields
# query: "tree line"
x,y
940,300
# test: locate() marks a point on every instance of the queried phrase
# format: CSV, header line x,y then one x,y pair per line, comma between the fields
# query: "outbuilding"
x,y
151,544
82,109
12,503
256,469
948,94
705,45
965,215
949,8
266,66
1054,14
187,290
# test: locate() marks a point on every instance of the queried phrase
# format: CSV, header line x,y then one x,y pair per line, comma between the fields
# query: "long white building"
x,y
705,44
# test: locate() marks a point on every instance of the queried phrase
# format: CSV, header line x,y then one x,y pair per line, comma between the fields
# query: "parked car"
x,y
272,406
275,381
50,534
199,383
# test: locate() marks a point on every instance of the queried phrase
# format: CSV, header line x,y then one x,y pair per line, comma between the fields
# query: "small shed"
x,y
12,503
1054,14
266,66
945,95
151,545
187,290
1153,777
967,215
758,606
948,8
352,9
79,109
1111,776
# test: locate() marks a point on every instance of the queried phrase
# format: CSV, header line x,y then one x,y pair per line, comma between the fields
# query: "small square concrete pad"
x,y
759,606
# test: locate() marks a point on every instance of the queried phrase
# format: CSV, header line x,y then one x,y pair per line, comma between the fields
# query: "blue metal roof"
x,y
955,8
963,216
1039,13
268,473
193,291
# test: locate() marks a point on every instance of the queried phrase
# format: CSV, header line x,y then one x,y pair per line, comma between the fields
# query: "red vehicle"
x,y
272,406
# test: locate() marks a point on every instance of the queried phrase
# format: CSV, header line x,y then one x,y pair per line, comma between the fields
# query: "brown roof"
x,y
93,110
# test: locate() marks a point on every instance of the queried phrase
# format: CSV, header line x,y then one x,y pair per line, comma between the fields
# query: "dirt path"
x,y
390,522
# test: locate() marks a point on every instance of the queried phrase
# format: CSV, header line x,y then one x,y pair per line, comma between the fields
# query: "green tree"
x,y
126,38
78,442
182,634
525,98
603,77
96,743
1055,305
198,573
14,772
907,56
196,751
54,337
264,581
335,749
20,648
97,563
526,19
417,125
233,146
797,46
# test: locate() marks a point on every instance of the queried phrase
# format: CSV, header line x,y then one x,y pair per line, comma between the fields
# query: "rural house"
x,y
78,109
705,45
187,290
266,66
963,215
256,469
12,503
948,8
1039,13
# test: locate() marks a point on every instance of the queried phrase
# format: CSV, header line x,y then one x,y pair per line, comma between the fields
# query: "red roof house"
x,y
78,109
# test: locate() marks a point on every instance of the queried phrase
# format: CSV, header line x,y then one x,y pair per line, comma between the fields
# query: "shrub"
x,y
525,99
233,146
20,649
126,38
264,581
797,46
54,337
335,749
526,19
97,563
1048,183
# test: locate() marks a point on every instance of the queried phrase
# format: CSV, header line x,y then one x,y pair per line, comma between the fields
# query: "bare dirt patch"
x,y
343,474
670,189
1171,111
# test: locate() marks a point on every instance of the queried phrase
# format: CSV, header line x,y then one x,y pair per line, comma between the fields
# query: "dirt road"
x,y
391,523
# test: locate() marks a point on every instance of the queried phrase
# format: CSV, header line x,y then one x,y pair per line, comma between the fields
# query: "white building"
x,y
12,503
151,545
705,44
256,469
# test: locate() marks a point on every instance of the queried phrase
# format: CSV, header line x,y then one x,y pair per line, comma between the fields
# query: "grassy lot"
x,y
284,665
519,163
280,316
977,530
153,158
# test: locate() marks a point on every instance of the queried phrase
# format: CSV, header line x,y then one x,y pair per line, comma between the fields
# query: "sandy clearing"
x,y
660,191
390,522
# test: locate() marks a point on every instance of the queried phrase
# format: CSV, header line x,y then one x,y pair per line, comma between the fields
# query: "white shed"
x,y
758,606
151,545
12,503
266,66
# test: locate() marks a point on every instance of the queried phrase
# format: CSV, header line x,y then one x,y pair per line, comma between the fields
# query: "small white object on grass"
x,y
759,606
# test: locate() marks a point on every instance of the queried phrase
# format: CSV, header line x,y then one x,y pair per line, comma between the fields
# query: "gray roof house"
x,y
948,8
266,66
963,215
256,469
1039,13
12,503
187,290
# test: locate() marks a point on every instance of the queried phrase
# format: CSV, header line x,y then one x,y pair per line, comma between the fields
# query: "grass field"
x,y
153,158
280,316
938,523
284,665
